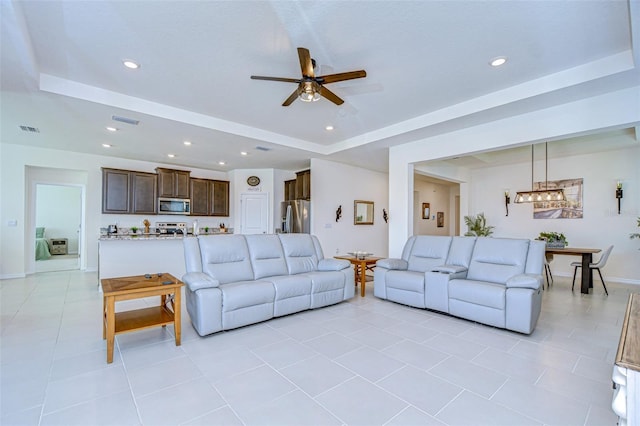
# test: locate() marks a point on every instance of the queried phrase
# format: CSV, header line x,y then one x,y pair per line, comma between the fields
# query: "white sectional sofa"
x,y
494,281
236,280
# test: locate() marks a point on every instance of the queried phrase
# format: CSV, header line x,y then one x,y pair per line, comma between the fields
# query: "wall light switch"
x,y
12,223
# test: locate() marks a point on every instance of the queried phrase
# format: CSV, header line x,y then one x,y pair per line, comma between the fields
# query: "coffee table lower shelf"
x,y
140,319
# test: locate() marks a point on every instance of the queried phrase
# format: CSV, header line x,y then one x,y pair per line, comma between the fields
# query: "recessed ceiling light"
x,y
187,143
131,64
496,62
111,129
244,153
171,155
106,145
222,163
329,128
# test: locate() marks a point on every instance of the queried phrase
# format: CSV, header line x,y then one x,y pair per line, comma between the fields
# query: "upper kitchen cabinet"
x,y
143,193
128,192
209,197
290,190
116,190
303,185
173,183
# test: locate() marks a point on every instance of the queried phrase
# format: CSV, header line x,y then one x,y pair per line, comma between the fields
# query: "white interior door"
x,y
254,213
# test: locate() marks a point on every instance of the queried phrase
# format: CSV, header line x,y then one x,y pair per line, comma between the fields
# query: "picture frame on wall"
x,y
425,210
440,219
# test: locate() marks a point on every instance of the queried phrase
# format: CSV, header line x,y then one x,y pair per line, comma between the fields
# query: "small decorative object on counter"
x,y
146,224
223,228
134,230
195,227
206,229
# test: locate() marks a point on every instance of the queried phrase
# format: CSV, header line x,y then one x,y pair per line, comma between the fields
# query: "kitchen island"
x,y
127,255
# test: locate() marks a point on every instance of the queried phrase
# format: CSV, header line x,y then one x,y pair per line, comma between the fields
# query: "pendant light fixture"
x,y
541,195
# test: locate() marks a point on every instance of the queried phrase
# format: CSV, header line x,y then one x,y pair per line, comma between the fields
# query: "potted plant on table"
x,y
477,226
553,239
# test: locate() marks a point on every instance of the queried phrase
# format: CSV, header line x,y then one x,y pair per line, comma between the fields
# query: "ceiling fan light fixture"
x,y
309,93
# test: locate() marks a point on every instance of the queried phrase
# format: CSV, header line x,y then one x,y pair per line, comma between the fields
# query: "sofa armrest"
x,y
198,280
396,264
449,269
532,281
333,264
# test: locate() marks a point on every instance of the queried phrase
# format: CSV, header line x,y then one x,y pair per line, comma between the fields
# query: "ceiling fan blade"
x,y
332,78
328,94
305,62
286,80
292,97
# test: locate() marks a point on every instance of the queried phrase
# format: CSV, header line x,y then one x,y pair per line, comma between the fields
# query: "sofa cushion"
x,y
497,259
226,258
267,256
461,251
428,252
478,292
300,253
406,280
287,286
242,294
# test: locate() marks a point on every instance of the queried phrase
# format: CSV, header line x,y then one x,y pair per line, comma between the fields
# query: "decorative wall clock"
x,y
253,180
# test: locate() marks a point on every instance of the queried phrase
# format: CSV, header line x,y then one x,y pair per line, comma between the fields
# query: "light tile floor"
x,y
362,362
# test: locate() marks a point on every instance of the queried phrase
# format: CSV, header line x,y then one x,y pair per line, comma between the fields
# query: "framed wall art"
x,y
425,210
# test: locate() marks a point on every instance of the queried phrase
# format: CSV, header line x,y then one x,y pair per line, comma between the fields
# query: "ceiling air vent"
x,y
30,129
262,148
125,120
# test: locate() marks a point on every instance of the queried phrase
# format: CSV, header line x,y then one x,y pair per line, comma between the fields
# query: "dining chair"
x,y
548,258
599,264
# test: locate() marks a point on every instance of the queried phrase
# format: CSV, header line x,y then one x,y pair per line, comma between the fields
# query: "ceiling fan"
x,y
310,87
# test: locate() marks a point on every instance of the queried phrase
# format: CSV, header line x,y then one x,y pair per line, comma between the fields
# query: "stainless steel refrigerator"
x,y
295,217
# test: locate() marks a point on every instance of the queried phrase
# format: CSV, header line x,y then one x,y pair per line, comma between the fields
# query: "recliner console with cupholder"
x,y
494,281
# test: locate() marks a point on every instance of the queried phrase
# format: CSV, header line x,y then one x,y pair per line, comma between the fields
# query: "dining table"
x,y
586,254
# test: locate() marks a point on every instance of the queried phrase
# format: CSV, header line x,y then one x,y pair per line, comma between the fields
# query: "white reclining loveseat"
x,y
236,280
494,281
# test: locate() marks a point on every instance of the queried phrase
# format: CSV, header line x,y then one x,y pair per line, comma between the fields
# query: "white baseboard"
x,y
11,276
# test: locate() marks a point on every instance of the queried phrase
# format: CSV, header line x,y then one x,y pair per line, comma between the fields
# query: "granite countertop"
x,y
143,237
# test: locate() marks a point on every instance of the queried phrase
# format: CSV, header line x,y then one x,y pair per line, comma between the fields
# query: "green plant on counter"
x,y
477,226
134,229
206,229
553,237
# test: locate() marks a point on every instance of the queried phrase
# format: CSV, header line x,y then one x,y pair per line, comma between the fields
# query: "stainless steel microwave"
x,y
174,206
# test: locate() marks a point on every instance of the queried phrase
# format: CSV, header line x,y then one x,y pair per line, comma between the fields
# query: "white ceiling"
x,y
426,62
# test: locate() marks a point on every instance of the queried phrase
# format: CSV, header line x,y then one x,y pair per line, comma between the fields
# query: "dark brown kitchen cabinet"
x,y
220,196
303,185
209,197
128,192
143,193
289,190
173,183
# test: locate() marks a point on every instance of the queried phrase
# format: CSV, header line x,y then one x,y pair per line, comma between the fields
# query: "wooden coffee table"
x,y
126,288
360,268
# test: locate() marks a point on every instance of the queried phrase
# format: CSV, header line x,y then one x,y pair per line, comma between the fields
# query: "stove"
x,y
171,227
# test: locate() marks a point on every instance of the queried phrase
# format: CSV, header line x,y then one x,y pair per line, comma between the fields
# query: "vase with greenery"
x,y
553,239
134,230
477,226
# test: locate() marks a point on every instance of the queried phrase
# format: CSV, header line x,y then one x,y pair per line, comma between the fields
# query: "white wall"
x,y
608,111
439,197
59,211
334,184
601,225
16,160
